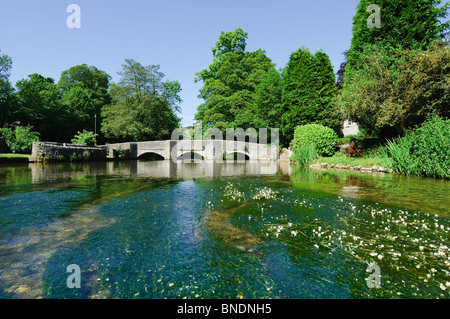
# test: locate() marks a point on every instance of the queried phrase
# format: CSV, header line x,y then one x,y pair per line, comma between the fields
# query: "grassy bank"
x,y
353,161
12,158
12,155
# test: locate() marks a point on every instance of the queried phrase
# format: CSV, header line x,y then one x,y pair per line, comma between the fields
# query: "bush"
x,y
20,140
85,138
354,150
120,153
424,152
305,154
323,138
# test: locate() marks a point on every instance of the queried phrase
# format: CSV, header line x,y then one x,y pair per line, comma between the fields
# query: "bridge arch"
x,y
190,156
235,155
155,156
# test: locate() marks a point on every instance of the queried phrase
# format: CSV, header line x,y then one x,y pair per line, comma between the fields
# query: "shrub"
x,y
85,138
86,155
305,154
354,150
120,153
323,138
20,139
425,151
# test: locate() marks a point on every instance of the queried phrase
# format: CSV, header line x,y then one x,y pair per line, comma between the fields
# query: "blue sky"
x,y
177,34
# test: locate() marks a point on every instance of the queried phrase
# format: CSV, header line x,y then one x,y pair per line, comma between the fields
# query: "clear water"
x,y
143,229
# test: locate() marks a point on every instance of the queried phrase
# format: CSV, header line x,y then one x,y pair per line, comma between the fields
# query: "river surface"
x,y
157,229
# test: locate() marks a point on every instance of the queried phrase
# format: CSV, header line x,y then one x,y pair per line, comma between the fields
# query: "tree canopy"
x,y
308,93
230,82
5,89
395,74
143,106
405,25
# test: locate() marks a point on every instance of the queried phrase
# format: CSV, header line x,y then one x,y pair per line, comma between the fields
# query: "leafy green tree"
x,y
85,138
405,24
84,92
148,118
143,105
20,139
39,105
6,89
230,82
265,111
89,78
388,97
372,90
309,92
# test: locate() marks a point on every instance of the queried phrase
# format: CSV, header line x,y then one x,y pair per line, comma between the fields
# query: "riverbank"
x,y
363,164
374,168
15,158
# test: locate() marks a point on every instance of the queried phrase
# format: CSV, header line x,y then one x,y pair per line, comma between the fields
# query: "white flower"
x,y
443,287
380,257
317,246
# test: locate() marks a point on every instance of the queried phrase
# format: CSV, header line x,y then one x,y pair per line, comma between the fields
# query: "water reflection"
x,y
152,169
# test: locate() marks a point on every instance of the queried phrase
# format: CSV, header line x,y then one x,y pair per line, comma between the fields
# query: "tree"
x,y
143,106
405,24
388,97
371,93
39,105
84,92
6,89
230,82
308,93
20,139
266,107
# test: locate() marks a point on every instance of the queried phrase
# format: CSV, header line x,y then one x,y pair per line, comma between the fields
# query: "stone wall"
x,y
43,151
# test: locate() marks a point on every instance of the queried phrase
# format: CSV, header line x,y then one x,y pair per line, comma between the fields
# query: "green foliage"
x,y
230,83
74,157
38,102
85,138
425,151
6,111
143,106
20,139
265,110
309,92
405,24
305,154
84,92
138,120
390,95
120,153
86,155
323,138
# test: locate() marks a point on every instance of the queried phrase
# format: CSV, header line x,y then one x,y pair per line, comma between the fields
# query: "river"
x,y
157,229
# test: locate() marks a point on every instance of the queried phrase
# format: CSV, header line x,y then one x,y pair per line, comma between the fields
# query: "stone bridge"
x,y
199,149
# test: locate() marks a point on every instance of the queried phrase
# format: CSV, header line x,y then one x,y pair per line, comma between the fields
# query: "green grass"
x,y
353,161
12,155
